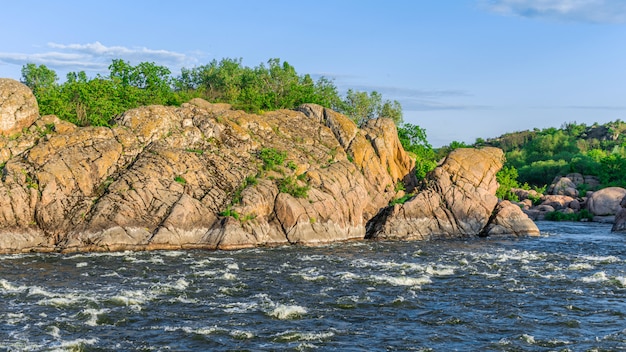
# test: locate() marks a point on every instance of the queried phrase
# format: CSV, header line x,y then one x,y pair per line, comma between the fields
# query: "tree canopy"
x,y
270,86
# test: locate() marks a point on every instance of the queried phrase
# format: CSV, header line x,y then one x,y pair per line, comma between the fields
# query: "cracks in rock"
x,y
166,216
492,219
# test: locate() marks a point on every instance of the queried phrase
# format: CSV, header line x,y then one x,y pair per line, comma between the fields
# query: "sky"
x,y
462,69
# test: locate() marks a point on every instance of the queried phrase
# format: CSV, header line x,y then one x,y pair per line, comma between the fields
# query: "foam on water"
x,y
179,285
292,335
229,276
580,266
440,271
597,277
8,287
310,274
154,259
73,345
93,315
111,274
172,254
240,307
602,259
402,280
54,331
13,318
132,298
198,331
346,276
529,339
241,334
287,312
63,299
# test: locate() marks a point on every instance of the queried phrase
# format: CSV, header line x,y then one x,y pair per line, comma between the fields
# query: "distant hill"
x,y
540,155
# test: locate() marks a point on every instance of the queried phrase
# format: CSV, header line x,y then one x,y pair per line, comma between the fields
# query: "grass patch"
x,y
230,212
272,158
401,200
196,151
180,180
290,186
583,215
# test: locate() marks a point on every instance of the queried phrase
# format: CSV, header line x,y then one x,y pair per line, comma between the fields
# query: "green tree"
x,y
507,179
40,79
361,107
413,140
611,171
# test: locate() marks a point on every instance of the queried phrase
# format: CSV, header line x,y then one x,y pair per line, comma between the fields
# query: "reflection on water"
x,y
564,291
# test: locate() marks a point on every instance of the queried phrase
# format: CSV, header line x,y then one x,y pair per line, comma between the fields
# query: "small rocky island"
x,y
205,176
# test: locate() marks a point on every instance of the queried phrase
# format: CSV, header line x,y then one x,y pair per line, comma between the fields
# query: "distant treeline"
x,y
538,156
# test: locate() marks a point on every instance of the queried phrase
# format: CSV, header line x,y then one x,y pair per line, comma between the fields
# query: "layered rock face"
x,y
458,201
205,176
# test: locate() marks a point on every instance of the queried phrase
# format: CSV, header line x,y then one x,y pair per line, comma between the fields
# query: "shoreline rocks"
x,y
203,176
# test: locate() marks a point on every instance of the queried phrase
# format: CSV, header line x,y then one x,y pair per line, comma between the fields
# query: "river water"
x,y
565,291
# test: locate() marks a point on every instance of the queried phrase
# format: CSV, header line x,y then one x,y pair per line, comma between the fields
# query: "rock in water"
x,y
509,219
18,107
620,218
457,201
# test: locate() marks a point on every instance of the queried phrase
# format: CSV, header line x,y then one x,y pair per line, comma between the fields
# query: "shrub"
x,y
272,158
230,212
290,186
507,178
401,200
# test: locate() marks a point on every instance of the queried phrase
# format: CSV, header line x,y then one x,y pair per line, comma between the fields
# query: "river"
x,y
565,291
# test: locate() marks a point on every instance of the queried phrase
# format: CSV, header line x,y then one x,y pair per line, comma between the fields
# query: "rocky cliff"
x,y
205,176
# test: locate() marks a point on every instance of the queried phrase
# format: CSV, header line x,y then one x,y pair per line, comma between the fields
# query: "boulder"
x,y
556,201
509,219
592,181
523,194
457,201
606,201
18,107
576,178
574,205
563,186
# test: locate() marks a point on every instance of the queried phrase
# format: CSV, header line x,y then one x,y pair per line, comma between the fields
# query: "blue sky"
x,y
462,69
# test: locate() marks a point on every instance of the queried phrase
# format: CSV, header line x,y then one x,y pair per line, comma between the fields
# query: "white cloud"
x,y
593,11
96,57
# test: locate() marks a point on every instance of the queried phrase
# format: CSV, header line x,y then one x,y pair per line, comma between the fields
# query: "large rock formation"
x,y
458,201
205,176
